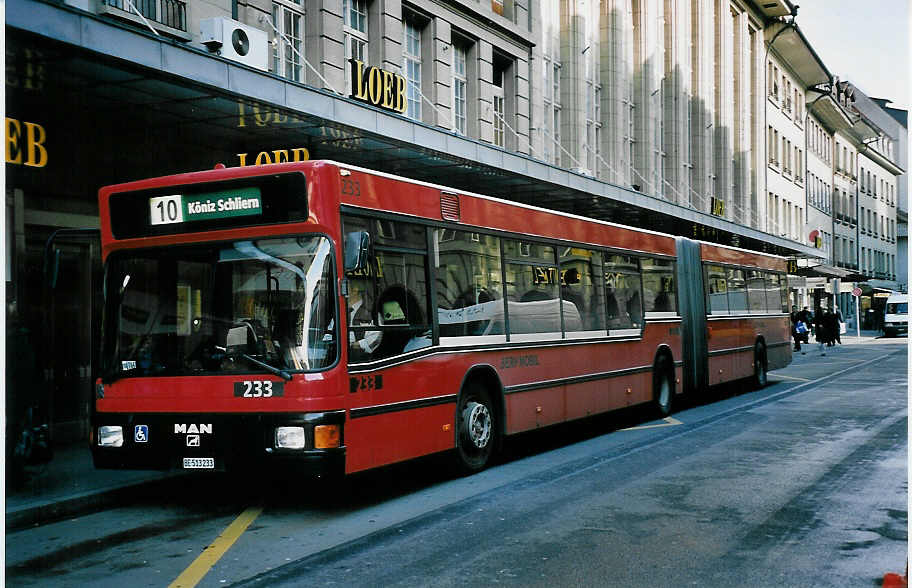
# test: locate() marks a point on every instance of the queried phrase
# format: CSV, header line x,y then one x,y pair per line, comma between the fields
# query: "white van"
x,y
896,315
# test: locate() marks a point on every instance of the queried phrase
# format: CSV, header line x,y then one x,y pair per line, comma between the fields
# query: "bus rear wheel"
x,y
663,386
760,369
476,430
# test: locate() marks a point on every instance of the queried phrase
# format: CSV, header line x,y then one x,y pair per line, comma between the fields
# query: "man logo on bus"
x,y
183,429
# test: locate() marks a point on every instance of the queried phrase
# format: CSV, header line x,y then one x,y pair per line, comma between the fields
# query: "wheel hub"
x,y
477,421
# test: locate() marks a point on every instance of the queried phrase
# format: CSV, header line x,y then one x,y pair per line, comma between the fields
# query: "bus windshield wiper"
x,y
271,369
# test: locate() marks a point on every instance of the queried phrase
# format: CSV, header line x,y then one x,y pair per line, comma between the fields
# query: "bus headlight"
x,y
110,436
290,438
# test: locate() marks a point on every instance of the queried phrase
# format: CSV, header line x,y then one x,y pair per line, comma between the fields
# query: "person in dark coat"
x,y
808,318
831,325
799,328
820,330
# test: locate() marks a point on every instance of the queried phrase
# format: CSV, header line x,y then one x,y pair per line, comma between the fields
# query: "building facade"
x,y
705,118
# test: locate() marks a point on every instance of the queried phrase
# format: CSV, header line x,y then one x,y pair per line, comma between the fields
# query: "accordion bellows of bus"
x,y
333,319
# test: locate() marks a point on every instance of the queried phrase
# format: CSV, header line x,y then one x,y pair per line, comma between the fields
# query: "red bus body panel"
x,y
377,431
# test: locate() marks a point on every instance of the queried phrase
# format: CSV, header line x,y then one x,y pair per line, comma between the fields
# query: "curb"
x,y
48,511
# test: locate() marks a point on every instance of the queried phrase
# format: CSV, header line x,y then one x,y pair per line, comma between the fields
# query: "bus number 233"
x,y
258,389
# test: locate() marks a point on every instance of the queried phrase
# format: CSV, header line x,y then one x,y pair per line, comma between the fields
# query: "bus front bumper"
x,y
308,443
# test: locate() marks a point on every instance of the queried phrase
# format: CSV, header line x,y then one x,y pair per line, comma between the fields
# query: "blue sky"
x,y
866,43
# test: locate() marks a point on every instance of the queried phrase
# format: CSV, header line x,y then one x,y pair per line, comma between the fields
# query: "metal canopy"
x,y
833,116
219,107
801,57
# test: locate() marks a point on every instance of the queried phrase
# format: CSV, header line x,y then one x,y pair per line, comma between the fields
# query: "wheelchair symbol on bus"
x,y
141,434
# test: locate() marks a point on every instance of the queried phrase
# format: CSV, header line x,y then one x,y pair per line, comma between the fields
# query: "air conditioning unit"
x,y
236,41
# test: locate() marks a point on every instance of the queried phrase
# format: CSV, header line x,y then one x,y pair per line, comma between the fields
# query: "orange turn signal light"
x,y
327,436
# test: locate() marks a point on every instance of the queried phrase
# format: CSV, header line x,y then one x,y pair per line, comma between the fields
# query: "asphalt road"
x,y
803,483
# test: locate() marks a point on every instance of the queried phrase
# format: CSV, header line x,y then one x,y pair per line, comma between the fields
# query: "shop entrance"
x,y
64,304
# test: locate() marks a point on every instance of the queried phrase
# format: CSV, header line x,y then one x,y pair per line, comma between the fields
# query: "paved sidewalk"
x,y
69,485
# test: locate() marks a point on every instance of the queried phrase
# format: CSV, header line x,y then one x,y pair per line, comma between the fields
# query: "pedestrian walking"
x,y
808,318
831,326
799,328
820,330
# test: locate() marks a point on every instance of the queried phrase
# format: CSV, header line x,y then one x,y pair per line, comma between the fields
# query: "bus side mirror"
x,y
356,250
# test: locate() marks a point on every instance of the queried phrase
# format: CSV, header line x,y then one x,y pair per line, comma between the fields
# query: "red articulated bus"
x,y
329,317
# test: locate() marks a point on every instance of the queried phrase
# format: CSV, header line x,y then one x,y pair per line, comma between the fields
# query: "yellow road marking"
x,y
208,558
669,422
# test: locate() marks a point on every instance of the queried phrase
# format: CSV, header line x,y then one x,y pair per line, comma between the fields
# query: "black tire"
x,y
760,366
476,429
663,386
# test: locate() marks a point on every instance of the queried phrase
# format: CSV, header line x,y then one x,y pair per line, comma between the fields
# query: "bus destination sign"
x,y
178,208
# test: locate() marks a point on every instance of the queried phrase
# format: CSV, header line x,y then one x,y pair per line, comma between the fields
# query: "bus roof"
x,y
712,251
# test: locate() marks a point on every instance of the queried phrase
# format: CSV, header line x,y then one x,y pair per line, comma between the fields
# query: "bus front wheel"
x,y
476,430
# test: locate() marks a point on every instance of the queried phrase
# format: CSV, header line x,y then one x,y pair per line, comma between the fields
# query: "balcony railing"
x,y
171,13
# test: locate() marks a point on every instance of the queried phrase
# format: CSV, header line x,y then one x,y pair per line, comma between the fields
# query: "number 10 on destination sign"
x,y
166,209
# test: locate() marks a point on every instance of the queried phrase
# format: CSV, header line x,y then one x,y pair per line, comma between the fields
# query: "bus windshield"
x,y
245,306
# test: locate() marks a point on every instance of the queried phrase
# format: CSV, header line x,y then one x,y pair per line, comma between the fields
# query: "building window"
x,y
503,96
459,89
555,117
355,33
411,67
287,53
498,110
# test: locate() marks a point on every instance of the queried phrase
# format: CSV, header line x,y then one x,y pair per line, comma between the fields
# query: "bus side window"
x,y
660,294
716,290
387,300
756,291
623,292
469,289
773,296
533,303
583,287
737,291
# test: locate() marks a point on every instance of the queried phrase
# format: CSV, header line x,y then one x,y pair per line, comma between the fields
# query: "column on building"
x,y
441,91
573,23
648,70
485,101
702,101
545,24
616,69
676,92
755,141
385,32
742,115
323,49
723,109
523,120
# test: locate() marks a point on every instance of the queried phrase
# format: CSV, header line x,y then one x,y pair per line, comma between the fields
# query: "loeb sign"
x,y
378,87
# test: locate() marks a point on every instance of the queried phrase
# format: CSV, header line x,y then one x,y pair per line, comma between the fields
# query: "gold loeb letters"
x,y
377,86
277,156
36,154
